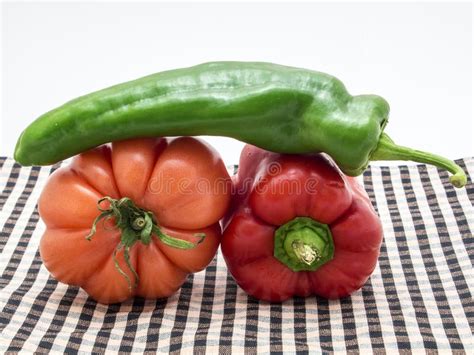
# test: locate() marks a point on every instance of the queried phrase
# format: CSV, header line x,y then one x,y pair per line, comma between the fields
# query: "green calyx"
x,y
136,225
303,244
388,150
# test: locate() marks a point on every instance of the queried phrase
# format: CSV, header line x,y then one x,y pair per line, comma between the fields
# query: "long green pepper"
x,y
277,108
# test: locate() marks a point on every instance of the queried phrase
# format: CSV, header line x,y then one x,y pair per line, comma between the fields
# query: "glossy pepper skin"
x,y
277,108
297,226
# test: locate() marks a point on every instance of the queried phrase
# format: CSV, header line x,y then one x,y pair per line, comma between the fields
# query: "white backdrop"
x,y
417,56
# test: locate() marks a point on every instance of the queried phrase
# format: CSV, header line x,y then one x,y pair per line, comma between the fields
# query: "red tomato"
x,y
183,182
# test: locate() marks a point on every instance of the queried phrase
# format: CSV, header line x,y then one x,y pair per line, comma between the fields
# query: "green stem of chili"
x,y
388,150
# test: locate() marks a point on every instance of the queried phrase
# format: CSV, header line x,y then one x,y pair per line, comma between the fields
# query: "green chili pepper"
x,y
278,108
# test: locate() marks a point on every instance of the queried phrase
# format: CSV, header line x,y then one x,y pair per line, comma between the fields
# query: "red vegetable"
x,y
298,226
161,195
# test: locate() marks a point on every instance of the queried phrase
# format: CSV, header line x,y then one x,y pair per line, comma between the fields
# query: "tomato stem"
x,y
136,225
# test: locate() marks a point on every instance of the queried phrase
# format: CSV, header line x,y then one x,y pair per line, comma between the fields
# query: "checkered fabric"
x,y
419,297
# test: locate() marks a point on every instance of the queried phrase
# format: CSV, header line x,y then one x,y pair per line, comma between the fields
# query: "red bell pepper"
x,y
298,226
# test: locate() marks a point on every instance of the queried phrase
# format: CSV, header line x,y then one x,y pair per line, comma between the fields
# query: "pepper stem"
x,y
135,224
303,244
388,150
305,253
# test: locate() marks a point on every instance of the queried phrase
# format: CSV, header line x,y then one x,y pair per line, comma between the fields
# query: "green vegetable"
x,y
278,108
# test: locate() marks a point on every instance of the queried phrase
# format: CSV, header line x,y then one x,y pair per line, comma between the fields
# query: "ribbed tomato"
x,y
181,185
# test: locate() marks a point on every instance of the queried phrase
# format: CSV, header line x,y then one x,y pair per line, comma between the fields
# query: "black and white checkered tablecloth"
x,y
419,297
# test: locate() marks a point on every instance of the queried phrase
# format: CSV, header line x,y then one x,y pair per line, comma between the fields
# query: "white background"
x,y
417,56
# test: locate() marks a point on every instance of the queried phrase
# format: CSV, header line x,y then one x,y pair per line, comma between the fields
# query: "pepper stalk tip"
x,y
388,150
